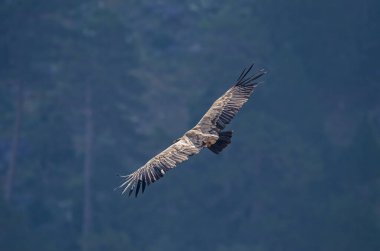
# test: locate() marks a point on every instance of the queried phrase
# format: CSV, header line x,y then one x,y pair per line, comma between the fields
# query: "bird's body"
x,y
200,139
207,133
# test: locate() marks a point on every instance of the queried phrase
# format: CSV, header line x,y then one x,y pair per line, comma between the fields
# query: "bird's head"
x,y
175,141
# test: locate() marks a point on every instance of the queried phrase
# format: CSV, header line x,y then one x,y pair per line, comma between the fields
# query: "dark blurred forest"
x,y
92,89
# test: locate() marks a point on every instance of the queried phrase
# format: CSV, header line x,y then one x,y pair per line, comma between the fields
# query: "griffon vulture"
x,y
207,133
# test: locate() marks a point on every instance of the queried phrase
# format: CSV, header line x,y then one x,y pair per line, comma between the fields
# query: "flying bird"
x,y
208,133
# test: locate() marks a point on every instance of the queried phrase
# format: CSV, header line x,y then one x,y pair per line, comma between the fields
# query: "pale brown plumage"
x,y
207,133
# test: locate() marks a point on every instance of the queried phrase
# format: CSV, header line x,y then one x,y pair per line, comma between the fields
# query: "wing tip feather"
x,y
243,80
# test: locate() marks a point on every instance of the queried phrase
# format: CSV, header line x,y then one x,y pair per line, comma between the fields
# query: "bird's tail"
x,y
223,141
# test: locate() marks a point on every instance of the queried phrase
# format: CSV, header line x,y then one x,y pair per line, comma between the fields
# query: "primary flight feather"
x,y
207,133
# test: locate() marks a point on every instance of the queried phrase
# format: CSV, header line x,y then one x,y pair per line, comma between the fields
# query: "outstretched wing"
x,y
225,108
156,168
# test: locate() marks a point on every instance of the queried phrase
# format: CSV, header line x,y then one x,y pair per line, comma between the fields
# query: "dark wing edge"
x,y
227,106
156,168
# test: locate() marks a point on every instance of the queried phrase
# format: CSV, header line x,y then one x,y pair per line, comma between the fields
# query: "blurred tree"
x,y
14,143
87,166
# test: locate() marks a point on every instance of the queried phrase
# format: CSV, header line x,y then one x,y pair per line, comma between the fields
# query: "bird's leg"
x,y
210,139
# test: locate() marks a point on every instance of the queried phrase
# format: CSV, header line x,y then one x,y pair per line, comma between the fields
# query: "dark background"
x,y
92,89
